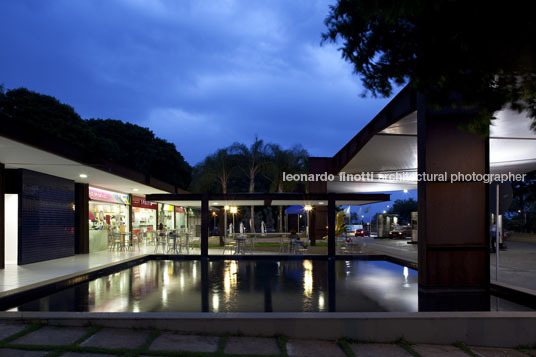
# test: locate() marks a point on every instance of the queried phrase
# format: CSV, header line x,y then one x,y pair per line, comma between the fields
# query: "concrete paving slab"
x,y
439,351
376,349
7,329
312,348
169,341
252,345
117,338
51,335
8,352
497,352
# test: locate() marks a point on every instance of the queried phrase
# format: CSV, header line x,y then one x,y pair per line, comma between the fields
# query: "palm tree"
x,y
289,161
254,160
215,170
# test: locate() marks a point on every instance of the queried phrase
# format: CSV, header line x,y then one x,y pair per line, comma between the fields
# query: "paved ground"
x,y
38,340
517,264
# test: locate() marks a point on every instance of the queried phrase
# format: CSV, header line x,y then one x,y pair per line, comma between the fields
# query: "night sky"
x,y
200,74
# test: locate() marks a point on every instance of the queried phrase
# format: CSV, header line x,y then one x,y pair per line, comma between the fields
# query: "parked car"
x,y
400,232
361,233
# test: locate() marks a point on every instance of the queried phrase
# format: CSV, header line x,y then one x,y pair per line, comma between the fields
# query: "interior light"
x,y
83,176
135,190
320,203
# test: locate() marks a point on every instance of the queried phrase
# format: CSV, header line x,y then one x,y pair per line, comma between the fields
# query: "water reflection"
x,y
243,286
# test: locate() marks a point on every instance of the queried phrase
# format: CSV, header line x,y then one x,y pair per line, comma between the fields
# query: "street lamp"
x,y
308,208
226,208
233,211
214,216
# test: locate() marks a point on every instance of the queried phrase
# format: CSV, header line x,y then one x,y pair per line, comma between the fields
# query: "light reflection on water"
x,y
243,286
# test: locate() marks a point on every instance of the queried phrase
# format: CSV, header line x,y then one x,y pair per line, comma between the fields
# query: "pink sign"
x,y
97,194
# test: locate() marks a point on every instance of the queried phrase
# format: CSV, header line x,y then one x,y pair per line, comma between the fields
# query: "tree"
x,y
290,161
255,160
404,208
482,52
99,140
213,173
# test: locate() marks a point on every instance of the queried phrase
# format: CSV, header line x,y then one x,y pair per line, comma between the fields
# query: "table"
x,y
240,245
173,236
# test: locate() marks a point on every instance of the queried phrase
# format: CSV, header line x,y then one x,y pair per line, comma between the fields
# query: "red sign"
x,y
142,203
179,209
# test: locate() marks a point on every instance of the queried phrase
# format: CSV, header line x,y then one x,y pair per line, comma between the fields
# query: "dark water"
x,y
243,286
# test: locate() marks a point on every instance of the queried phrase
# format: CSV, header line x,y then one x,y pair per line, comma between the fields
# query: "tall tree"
x,y
480,51
290,161
404,208
254,160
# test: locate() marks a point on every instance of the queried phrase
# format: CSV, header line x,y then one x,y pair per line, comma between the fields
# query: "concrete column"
x,y
81,221
453,225
331,225
205,219
2,218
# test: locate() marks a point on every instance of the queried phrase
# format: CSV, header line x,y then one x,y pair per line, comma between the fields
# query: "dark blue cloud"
x,y
201,74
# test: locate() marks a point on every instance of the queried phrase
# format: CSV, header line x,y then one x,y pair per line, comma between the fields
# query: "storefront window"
x,y
166,216
143,214
108,211
180,218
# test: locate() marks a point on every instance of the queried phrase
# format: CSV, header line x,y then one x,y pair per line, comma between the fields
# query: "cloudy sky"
x,y
201,74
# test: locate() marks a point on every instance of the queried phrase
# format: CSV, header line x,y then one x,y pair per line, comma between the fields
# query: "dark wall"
x,y
46,216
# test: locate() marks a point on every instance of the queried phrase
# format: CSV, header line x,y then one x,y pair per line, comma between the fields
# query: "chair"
x,y
116,241
160,240
228,243
251,246
135,238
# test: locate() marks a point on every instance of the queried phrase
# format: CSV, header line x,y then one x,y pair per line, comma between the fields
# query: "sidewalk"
x,y
43,340
517,264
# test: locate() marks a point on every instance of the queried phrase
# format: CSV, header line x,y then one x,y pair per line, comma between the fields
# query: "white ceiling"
x,y
394,149
16,155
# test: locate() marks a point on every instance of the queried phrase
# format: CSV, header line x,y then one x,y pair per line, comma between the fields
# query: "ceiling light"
x,y
215,203
135,190
83,176
320,203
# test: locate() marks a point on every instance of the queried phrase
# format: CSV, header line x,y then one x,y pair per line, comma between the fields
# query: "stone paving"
x,y
29,340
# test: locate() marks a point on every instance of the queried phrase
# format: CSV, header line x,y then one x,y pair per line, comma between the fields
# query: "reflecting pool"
x,y
243,286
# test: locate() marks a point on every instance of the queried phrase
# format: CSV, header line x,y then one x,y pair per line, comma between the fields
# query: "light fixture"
x,y
135,190
384,211
226,208
405,191
308,207
234,209
214,203
83,176
320,203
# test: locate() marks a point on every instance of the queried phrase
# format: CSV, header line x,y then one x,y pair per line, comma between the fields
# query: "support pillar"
x,y
453,225
2,218
205,220
331,225
81,221
318,165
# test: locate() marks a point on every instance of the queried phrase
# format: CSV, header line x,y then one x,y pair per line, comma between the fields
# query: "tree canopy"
x,y
126,144
480,51
404,208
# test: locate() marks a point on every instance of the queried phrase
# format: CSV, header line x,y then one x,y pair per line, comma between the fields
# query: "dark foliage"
x,y
126,144
482,51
